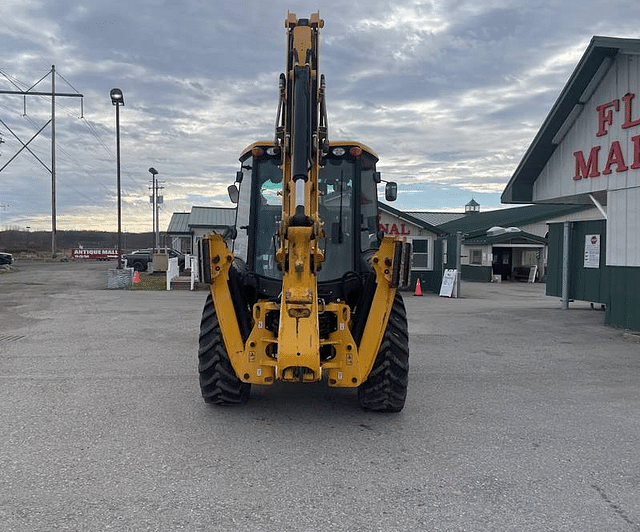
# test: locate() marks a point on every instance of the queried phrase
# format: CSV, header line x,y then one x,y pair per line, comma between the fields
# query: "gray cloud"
x,y
448,93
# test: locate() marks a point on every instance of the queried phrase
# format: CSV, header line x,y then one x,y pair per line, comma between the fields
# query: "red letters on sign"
x,y
393,230
606,117
588,169
636,152
615,156
628,122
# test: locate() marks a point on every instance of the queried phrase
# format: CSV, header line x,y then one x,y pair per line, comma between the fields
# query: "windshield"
x,y
335,208
337,184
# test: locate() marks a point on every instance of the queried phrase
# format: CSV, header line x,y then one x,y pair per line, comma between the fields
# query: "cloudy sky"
x,y
449,93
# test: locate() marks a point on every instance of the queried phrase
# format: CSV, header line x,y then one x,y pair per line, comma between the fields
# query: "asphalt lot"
x,y
520,417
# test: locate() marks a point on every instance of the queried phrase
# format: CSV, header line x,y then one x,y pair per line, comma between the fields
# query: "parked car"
x,y
6,258
140,259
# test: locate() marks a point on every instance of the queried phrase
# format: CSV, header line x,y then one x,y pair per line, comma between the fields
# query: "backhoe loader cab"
x,y
347,206
304,287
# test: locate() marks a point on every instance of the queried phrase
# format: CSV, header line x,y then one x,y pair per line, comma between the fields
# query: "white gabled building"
x,y
187,228
588,152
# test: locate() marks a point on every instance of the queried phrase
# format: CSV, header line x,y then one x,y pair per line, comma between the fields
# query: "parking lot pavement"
x,y
520,416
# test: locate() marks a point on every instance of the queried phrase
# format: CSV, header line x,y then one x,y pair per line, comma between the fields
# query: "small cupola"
x,y
472,207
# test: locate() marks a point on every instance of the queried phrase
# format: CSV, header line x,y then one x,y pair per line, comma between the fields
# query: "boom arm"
x,y
285,342
301,132
302,136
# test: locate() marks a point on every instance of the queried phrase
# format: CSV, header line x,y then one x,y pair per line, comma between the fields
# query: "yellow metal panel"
x,y
302,36
298,335
351,365
250,363
380,306
220,260
344,369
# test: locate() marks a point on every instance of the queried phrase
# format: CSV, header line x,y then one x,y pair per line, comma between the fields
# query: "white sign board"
x,y
592,251
449,287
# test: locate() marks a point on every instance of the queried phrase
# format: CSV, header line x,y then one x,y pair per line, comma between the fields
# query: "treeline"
x,y
17,241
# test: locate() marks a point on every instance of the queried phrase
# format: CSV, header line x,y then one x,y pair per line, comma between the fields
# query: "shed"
x,y
186,229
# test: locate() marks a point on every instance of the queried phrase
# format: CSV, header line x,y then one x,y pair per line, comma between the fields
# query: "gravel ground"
x,y
520,417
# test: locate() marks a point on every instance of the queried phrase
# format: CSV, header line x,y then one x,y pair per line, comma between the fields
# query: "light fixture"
x,y
117,98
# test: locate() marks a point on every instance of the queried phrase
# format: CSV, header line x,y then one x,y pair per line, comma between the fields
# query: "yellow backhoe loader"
x,y
304,286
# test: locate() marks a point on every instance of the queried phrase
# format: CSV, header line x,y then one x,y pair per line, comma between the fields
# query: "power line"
x,y
52,94
23,89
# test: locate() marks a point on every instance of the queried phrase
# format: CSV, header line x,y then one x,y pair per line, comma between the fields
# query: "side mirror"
x,y
234,194
391,191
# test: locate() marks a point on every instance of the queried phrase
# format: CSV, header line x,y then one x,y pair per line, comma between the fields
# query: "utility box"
x,y
160,262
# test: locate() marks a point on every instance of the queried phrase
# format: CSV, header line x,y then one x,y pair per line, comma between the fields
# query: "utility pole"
x,y
1,208
52,121
159,200
155,199
53,162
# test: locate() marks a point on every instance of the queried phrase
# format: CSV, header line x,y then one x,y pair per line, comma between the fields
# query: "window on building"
x,y
421,254
475,256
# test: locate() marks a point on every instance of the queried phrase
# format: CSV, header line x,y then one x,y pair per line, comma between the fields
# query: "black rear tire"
x,y
385,389
218,382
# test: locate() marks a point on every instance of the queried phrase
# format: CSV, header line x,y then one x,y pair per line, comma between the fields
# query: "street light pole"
x,y
117,99
154,216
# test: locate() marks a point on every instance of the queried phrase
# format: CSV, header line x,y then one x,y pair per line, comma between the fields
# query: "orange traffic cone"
x,y
418,291
136,277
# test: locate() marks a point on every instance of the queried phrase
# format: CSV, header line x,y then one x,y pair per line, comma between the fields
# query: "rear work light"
x,y
356,151
338,152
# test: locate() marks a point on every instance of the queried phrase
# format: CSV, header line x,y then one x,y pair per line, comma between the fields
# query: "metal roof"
x,y
519,237
410,218
479,222
436,218
590,70
212,216
207,217
179,223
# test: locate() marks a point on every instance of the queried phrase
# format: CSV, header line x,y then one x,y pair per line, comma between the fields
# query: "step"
x,y
181,283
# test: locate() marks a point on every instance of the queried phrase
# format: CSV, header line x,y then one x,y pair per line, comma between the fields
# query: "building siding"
x,y
557,178
614,286
585,284
623,228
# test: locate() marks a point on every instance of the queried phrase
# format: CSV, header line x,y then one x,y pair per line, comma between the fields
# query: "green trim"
x,y
617,287
623,309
